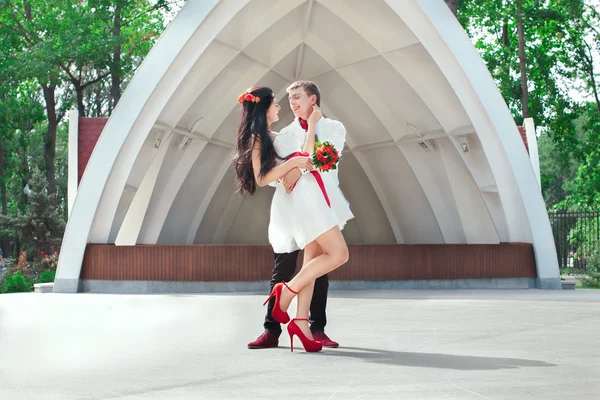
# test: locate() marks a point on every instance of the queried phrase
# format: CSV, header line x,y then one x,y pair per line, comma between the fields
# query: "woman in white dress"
x,y
311,216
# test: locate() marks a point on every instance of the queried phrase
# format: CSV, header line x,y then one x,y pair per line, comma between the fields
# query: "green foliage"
x,y
21,275
41,225
579,171
493,26
591,275
561,46
15,283
556,173
54,56
586,188
47,276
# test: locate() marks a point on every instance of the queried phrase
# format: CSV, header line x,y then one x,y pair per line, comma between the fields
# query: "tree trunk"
x,y
4,244
595,89
505,33
3,181
24,167
506,49
50,142
453,6
27,8
98,96
589,60
79,92
115,69
522,63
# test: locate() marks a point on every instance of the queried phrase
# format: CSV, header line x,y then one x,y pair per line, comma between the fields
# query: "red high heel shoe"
x,y
310,346
280,316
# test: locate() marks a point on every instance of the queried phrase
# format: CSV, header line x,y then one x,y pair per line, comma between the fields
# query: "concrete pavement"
x,y
463,344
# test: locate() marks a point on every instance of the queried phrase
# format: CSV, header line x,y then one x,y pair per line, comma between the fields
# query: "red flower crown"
x,y
248,97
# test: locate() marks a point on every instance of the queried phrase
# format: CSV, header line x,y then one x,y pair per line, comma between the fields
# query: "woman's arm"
x,y
315,116
278,171
309,144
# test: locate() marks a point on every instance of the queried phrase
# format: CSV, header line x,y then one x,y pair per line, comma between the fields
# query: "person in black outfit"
x,y
285,267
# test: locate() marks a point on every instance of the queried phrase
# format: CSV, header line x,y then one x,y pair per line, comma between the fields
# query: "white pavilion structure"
x,y
433,156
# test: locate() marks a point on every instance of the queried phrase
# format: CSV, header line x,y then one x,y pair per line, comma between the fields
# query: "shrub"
x,y
47,276
591,274
23,273
16,282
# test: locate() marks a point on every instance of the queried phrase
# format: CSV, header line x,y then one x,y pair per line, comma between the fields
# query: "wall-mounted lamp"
x,y
187,140
426,145
464,143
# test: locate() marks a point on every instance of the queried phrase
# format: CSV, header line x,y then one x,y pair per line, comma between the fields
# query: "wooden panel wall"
x,y
255,262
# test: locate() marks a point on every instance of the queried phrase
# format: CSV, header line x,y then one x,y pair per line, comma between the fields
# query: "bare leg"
x,y
335,253
311,251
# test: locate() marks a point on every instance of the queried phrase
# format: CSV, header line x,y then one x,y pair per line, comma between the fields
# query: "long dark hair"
x,y
253,126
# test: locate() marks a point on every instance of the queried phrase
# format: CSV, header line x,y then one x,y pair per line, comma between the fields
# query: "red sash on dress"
x,y
315,174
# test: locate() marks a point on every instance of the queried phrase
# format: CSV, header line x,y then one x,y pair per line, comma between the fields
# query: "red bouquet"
x,y
325,156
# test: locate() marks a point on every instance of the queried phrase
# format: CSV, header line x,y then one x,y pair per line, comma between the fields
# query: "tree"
x,y
41,226
54,55
557,173
538,52
80,42
585,193
34,29
130,30
520,40
453,5
19,113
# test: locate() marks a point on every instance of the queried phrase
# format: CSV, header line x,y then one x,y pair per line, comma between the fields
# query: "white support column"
x,y
533,149
130,228
226,221
210,192
377,187
73,161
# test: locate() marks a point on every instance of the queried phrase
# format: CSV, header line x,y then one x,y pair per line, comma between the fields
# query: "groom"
x,y
303,96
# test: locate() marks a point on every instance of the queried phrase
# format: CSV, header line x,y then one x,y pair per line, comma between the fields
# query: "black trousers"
x,y
285,267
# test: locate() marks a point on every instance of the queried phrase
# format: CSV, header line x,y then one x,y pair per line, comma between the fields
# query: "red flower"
x,y
319,153
248,97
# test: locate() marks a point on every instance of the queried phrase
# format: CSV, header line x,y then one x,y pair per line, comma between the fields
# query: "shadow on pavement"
x,y
433,360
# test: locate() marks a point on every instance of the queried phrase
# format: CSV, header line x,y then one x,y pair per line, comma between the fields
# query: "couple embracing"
x,y
308,210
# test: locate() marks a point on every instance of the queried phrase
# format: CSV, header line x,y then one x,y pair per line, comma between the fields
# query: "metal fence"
x,y
575,235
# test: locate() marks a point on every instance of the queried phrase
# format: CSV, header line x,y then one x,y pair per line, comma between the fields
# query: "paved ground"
x,y
527,344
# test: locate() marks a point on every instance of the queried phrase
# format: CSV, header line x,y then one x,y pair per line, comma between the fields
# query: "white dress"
x,y
303,215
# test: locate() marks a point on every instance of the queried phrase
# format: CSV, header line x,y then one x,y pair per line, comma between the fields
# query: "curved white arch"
x,y
523,201
157,81
151,233
515,209
396,129
91,218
